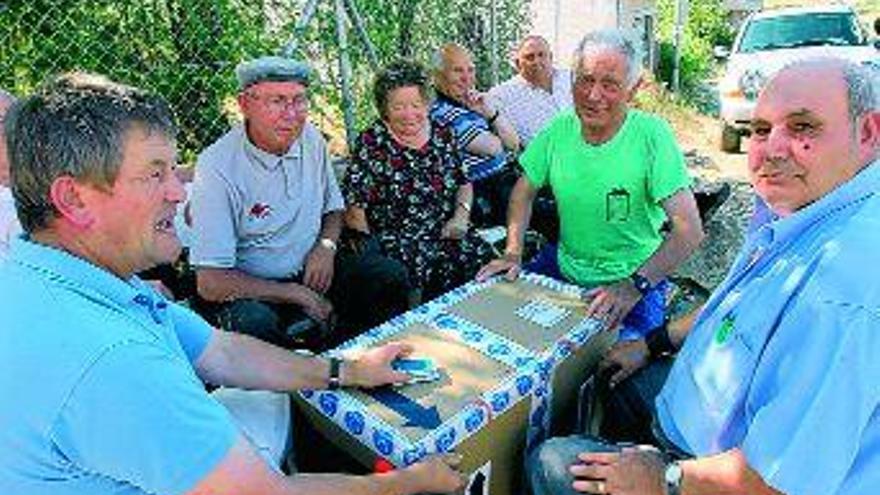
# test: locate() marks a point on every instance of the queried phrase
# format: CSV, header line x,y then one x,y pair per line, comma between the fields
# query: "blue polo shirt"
x,y
467,125
99,391
784,361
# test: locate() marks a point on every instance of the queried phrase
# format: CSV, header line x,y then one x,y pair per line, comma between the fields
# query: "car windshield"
x,y
801,30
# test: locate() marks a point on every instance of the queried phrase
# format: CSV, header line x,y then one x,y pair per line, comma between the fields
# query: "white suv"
x,y
767,41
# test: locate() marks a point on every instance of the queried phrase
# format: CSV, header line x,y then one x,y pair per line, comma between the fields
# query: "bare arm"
x,y
501,129
356,219
727,473
519,212
331,225
241,361
682,240
242,472
456,227
638,471
229,284
506,131
485,144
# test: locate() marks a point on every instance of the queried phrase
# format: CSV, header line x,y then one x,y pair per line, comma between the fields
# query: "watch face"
x,y
641,283
673,474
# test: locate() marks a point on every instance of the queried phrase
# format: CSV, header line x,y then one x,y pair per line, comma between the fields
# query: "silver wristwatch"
x,y
672,476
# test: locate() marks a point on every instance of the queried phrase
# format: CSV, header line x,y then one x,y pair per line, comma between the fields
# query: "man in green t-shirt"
x,y
617,175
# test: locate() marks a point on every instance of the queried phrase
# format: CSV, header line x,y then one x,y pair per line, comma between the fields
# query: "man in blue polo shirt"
x,y
102,378
776,388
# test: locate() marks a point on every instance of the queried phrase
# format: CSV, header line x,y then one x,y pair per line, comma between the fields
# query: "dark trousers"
x,y
367,289
629,408
491,197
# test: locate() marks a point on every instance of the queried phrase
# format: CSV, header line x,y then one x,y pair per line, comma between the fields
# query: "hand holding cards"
x,y
419,369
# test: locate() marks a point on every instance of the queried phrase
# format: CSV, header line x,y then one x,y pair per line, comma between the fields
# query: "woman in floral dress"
x,y
406,187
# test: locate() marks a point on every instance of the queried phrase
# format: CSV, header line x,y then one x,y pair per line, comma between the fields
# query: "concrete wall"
x,y
564,22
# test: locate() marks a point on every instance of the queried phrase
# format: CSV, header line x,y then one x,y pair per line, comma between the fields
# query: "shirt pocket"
x,y
724,374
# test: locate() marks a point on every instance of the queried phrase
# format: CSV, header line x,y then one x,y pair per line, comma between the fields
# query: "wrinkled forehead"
x,y
457,58
786,95
602,60
533,45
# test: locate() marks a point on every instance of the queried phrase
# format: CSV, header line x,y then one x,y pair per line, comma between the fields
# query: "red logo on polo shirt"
x,y
260,210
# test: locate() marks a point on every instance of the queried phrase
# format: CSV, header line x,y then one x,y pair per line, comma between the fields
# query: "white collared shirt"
x,y
530,107
9,225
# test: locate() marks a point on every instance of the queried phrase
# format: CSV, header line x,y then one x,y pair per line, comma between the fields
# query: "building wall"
x,y
564,22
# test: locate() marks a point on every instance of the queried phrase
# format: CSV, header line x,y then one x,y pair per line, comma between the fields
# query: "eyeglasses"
x,y
279,104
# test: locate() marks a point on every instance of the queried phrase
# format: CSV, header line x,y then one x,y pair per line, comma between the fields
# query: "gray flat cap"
x,y
272,68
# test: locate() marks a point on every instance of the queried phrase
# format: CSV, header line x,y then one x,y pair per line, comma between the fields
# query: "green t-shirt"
x,y
609,196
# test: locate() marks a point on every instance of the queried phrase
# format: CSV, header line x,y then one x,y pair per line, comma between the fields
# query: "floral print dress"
x,y
408,195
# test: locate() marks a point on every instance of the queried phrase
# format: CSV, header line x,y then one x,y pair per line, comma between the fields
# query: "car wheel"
x,y
730,139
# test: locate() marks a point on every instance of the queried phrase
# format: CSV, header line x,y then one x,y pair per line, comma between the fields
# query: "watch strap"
x,y
659,343
642,284
335,382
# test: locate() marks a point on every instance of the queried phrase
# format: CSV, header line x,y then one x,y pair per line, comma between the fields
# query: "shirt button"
x,y
142,300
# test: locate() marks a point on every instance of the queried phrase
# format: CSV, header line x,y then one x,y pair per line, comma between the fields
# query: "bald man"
x,y
775,389
537,92
488,139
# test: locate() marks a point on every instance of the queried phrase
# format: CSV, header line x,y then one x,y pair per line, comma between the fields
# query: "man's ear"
x,y
67,197
869,136
635,89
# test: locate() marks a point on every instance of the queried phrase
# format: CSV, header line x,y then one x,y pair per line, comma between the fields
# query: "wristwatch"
x,y
673,476
335,381
642,284
328,243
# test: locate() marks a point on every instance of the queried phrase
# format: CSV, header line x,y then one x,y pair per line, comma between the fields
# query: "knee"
x,y
547,466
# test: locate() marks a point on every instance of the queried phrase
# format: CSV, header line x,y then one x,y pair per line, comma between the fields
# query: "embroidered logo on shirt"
x,y
725,330
260,210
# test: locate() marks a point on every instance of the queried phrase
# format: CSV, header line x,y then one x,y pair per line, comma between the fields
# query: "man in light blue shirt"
x,y
102,378
776,389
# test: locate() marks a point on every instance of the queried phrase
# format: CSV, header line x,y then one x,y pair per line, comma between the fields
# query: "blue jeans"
x,y
547,466
648,314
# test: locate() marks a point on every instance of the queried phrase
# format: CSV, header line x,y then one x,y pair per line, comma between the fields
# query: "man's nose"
x,y
174,190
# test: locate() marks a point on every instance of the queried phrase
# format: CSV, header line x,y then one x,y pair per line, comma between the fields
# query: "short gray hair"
x,y
438,59
74,125
862,88
612,39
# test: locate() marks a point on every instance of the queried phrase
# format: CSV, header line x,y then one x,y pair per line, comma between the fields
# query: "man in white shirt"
x,y
9,226
537,92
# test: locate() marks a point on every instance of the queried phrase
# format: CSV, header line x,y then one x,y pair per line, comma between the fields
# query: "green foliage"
x,y
187,49
707,26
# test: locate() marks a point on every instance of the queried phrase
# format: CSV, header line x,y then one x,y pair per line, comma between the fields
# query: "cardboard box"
x,y
512,355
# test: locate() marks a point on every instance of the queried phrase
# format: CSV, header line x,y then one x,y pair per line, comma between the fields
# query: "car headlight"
x,y
751,82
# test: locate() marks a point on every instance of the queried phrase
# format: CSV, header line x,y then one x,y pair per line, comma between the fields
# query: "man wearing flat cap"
x,y
267,215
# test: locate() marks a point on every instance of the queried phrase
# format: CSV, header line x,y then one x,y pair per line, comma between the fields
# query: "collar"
x,y
268,160
554,77
444,98
81,275
862,186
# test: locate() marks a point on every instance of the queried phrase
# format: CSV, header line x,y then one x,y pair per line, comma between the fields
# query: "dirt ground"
x,y
698,137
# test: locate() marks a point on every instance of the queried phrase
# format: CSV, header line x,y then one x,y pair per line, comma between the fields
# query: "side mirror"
x,y
721,53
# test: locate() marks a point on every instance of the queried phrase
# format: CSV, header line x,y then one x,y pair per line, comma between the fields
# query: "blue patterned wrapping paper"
x,y
532,378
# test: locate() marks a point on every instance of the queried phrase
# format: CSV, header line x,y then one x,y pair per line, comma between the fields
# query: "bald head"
x,y
454,71
806,143
6,101
534,61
